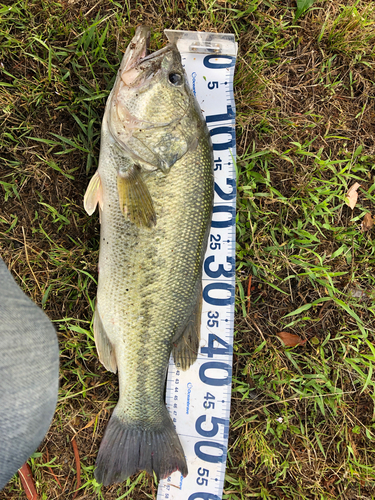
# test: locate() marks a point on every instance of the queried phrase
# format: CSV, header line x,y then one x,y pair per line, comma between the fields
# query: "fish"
x,y
154,187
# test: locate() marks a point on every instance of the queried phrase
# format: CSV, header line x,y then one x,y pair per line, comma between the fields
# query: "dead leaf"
x,y
290,339
352,195
92,422
367,222
28,482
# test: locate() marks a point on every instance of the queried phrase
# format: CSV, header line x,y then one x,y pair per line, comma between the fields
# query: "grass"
x,y
302,420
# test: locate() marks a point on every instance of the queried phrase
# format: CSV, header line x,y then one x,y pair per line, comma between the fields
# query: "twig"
x,y
259,330
92,8
78,466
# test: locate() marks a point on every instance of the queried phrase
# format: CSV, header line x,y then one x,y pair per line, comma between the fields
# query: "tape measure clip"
x,y
208,48
202,42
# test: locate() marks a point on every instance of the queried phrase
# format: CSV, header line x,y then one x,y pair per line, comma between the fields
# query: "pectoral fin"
x,y
185,348
93,195
135,200
104,347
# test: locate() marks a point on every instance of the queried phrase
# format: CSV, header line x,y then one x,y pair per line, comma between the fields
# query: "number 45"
x,y
209,404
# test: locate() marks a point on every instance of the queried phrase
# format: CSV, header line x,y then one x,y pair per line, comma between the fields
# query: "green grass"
x,y
302,420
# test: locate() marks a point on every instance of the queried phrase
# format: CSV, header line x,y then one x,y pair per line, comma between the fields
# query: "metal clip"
x,y
207,48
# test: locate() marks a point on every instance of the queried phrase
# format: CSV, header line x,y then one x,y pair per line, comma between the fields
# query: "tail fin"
x,y
127,449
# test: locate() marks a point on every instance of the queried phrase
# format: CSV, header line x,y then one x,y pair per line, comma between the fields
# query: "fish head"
x,y
149,104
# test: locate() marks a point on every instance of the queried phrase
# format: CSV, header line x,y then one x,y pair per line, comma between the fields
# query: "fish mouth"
x,y
137,48
137,53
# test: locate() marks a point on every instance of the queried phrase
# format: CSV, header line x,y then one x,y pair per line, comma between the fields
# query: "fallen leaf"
x,y
290,339
367,222
28,482
352,195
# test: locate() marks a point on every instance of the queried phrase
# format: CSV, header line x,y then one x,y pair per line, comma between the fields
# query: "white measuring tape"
x,y
198,400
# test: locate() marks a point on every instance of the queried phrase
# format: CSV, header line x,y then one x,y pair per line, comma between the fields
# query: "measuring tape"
x,y
198,400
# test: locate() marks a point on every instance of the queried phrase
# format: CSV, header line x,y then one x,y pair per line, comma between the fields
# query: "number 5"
x,y
213,85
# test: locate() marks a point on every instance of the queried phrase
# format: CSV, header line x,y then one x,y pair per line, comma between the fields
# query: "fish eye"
x,y
175,78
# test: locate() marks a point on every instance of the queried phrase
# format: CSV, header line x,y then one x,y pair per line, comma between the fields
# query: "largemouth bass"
x,y
154,186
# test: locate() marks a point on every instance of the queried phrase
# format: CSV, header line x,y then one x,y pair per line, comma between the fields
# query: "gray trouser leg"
x,y
29,372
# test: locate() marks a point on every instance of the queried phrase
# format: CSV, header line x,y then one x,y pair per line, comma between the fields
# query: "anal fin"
x,y
185,348
104,347
135,200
